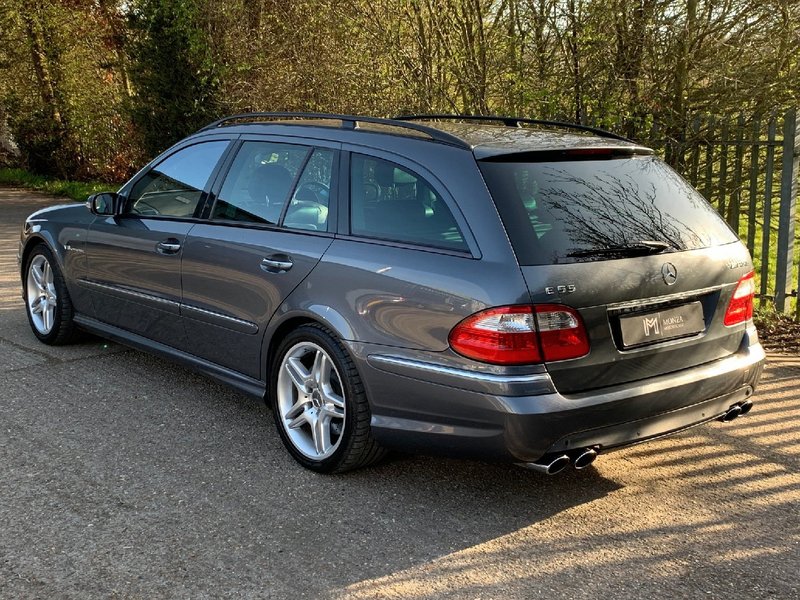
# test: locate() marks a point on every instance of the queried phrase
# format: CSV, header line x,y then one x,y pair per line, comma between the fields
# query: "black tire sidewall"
x,y
319,336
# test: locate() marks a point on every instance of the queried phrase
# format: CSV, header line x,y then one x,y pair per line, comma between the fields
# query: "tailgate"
x,y
645,316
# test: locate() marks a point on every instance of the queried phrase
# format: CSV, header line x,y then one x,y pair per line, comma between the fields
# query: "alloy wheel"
x,y
311,401
41,296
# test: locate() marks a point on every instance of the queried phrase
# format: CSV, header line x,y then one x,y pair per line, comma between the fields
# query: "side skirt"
x,y
243,383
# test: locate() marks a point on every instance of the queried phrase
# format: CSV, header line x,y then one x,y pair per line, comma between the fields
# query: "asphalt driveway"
x,y
124,476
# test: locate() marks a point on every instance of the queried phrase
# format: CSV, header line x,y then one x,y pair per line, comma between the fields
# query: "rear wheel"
x,y
47,301
319,404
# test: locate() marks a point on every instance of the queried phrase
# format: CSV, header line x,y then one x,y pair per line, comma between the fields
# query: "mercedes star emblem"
x,y
670,273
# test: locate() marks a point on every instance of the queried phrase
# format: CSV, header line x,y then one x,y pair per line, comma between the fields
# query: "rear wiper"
x,y
640,248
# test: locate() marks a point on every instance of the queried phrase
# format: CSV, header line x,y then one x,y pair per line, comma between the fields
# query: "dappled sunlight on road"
x,y
725,484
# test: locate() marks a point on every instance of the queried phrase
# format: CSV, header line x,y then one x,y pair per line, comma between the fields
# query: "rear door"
x,y
134,259
269,225
645,259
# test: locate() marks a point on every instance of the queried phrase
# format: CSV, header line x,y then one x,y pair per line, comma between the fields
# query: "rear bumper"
x,y
429,407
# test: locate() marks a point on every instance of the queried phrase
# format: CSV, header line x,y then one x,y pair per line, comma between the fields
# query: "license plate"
x,y
657,326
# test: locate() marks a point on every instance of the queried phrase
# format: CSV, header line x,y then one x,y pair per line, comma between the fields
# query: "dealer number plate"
x,y
657,326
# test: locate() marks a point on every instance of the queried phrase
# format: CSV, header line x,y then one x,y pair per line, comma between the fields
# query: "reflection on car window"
x,y
392,203
174,186
583,210
258,184
308,208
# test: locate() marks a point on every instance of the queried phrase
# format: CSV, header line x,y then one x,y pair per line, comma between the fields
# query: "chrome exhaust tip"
x,y
584,458
549,465
733,412
745,407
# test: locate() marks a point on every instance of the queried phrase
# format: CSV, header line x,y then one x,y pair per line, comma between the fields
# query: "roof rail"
x,y
348,122
514,122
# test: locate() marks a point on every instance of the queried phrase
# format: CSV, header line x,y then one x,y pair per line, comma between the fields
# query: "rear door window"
x,y
392,203
259,182
582,210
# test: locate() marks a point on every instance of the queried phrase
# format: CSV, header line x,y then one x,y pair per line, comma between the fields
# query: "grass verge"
x,y
77,190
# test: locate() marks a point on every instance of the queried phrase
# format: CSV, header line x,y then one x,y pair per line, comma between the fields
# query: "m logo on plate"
x,y
651,325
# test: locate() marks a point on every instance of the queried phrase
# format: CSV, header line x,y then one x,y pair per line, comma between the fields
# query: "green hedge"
x,y
77,190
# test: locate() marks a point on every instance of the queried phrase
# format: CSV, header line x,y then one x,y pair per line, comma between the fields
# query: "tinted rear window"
x,y
553,210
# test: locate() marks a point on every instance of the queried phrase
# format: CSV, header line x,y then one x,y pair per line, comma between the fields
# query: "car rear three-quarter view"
x,y
497,288
638,322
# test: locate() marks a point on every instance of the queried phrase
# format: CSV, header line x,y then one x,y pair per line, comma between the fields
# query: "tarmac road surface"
x,y
124,476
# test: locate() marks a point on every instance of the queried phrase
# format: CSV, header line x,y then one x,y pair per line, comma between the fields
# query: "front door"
x,y
134,259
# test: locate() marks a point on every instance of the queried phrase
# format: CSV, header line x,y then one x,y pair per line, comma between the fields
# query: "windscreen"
x,y
587,210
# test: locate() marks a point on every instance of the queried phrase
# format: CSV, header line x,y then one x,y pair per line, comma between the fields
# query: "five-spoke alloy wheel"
x,y
42,298
47,301
311,400
319,404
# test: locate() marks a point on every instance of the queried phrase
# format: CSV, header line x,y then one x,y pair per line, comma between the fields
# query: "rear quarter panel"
x,y
411,297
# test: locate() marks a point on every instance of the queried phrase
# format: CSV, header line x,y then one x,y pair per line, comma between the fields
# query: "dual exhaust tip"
x,y
555,463
736,410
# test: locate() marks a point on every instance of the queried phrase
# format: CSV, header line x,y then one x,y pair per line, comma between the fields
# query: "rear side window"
x,y
575,211
390,202
174,186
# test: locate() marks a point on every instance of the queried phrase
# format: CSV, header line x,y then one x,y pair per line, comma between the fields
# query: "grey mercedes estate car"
x,y
498,288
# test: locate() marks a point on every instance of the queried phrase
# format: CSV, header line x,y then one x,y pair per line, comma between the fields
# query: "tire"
x,y
47,302
319,404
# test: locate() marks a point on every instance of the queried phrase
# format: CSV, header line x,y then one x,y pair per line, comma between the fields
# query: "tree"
x,y
173,75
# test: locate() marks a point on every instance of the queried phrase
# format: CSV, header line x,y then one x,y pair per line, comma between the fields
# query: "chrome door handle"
x,y
276,264
170,246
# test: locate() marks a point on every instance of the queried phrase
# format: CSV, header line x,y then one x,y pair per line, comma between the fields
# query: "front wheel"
x,y
47,301
319,404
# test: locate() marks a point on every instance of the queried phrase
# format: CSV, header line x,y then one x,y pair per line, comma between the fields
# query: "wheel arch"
x,y
37,239
283,324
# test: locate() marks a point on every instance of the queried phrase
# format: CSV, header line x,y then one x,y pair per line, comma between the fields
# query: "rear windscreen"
x,y
581,210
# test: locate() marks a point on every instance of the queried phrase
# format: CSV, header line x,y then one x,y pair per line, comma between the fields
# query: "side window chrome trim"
x,y
407,245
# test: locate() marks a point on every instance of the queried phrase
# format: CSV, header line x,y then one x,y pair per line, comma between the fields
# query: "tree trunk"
x,y
41,64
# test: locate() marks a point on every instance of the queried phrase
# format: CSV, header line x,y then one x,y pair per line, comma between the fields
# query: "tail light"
x,y
740,308
523,334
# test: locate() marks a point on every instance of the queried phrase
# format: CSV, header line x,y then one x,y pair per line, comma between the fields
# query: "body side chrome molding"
x,y
123,291
195,312
216,318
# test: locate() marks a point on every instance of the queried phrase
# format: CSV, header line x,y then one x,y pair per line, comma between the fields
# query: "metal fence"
x,y
747,167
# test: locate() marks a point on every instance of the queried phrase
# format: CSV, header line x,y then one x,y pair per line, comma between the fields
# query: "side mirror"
x,y
105,204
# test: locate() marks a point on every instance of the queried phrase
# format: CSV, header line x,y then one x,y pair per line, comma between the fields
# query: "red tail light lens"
x,y
502,336
517,335
561,332
740,308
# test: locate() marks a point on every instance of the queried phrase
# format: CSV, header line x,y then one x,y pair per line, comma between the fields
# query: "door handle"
x,y
277,264
168,246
